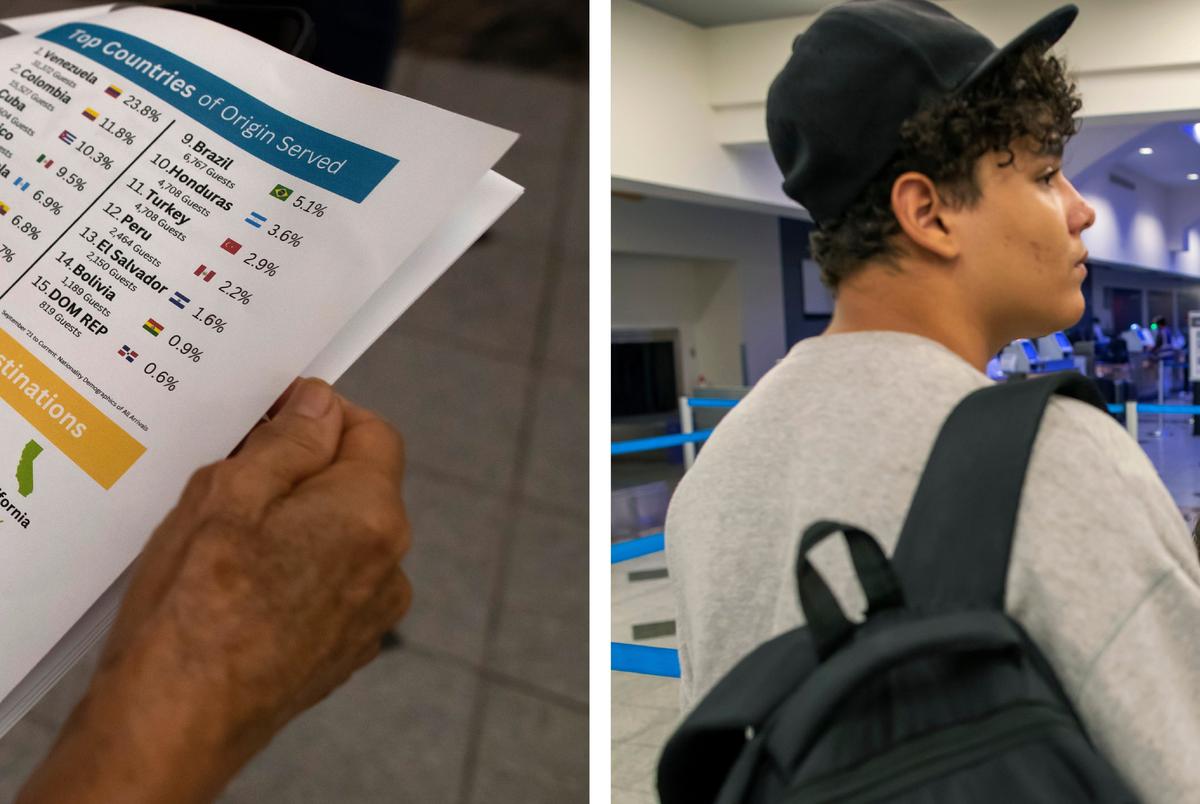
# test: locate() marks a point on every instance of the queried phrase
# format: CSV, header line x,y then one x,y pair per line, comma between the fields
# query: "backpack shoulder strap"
x,y
954,547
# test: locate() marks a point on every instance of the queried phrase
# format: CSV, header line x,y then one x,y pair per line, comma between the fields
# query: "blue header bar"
x,y
326,160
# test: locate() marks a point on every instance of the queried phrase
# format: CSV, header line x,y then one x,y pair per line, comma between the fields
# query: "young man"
x,y
930,162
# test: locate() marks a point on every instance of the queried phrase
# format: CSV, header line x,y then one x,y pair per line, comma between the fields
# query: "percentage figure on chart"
x,y
150,112
292,238
236,292
311,207
188,350
161,377
97,156
26,228
210,320
6,252
261,264
120,132
73,180
44,198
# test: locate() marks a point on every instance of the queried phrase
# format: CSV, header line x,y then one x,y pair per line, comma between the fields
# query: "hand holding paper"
x,y
266,586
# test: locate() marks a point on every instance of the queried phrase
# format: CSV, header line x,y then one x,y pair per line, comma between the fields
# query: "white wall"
x,y
1129,224
699,298
662,132
688,103
748,240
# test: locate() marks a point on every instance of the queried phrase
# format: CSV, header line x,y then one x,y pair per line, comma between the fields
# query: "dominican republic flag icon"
x,y
231,245
45,162
127,353
113,91
256,220
21,183
204,273
90,113
179,300
67,137
153,327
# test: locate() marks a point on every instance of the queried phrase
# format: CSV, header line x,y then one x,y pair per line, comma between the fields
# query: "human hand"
x,y
269,583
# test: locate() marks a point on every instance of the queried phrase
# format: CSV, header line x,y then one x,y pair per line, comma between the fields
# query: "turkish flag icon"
x,y
231,245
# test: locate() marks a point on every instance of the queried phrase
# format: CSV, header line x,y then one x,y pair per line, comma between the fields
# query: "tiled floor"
x,y
645,709
486,376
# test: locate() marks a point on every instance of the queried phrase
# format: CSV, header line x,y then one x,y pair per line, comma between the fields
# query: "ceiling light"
x,y
1145,151
1193,176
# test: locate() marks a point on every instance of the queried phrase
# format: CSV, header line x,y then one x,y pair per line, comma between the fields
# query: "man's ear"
x,y
920,210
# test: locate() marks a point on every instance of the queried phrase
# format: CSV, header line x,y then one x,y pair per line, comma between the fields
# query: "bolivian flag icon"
x,y
153,327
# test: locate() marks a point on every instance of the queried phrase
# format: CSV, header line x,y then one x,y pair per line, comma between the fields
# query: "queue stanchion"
x,y
1131,420
687,424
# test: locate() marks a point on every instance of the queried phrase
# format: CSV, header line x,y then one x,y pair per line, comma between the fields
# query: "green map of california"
x,y
25,468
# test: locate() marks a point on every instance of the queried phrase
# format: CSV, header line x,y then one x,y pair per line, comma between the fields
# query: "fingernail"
x,y
312,399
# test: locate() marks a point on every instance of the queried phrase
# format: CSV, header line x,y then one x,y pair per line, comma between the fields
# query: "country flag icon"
x,y
127,353
90,113
231,245
21,183
179,300
256,220
204,273
153,327
44,162
281,192
113,91
67,137
3,208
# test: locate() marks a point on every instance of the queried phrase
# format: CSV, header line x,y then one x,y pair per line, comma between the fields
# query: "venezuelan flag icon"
x,y
90,113
113,90
153,327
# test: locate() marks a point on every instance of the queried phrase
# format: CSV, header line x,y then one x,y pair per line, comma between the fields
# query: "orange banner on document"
x,y
78,428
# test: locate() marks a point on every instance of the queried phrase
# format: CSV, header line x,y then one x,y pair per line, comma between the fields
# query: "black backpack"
x,y
938,695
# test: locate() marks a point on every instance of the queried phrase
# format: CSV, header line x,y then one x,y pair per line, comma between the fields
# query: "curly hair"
x,y
1027,96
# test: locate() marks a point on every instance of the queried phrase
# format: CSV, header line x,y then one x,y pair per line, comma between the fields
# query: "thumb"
x,y
300,441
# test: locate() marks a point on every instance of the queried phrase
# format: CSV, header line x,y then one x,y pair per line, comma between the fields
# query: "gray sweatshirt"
x,y
1103,573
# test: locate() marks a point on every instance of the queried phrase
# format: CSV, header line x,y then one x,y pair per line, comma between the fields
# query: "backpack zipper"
x,y
933,755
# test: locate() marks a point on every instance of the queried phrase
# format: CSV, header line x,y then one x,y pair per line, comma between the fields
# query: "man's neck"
x,y
878,298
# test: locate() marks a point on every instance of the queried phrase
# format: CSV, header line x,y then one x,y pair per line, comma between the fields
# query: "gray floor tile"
x,y
557,472
536,107
531,751
452,565
486,302
58,703
542,635
396,732
21,750
458,411
567,342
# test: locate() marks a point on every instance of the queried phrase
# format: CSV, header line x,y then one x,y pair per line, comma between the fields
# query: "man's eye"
x,y
1049,176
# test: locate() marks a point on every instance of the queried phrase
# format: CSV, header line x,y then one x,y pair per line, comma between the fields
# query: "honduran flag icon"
x,y
113,90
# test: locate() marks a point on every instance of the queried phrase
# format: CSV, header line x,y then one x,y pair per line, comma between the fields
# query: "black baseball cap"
x,y
862,68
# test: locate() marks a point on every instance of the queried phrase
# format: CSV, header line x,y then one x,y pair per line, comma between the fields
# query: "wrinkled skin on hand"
x,y
270,582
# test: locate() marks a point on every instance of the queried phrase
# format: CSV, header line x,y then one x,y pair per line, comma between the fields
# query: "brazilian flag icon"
x,y
281,192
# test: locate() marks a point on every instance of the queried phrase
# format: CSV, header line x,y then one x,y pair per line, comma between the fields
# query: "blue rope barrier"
x,y
1189,410
709,402
645,659
658,442
634,548
1116,408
